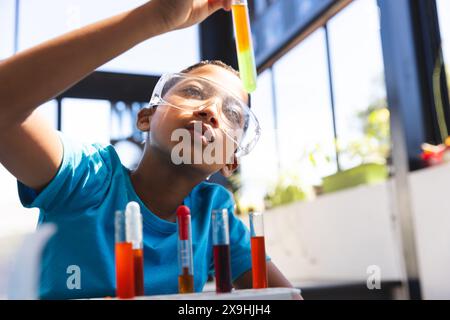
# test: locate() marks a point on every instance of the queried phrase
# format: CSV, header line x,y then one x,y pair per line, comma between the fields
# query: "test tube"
x,y
134,236
244,44
221,248
259,268
124,259
185,262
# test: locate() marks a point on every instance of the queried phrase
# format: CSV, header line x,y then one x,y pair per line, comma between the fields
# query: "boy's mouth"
x,y
203,131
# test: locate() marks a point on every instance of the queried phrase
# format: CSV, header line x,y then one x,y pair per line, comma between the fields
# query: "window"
x,y
305,124
444,22
45,19
86,120
49,111
259,169
358,81
125,136
309,141
15,218
7,10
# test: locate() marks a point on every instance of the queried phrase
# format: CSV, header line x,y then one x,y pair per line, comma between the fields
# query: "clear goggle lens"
x,y
188,92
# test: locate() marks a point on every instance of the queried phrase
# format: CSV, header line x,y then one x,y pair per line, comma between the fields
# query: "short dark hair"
x,y
211,62
219,64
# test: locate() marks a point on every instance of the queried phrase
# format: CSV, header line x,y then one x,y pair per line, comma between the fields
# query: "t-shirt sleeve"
x,y
79,182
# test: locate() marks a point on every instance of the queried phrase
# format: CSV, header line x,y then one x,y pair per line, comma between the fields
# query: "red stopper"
x,y
183,214
183,211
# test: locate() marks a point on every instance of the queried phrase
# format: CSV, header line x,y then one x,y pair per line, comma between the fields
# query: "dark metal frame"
x,y
16,25
332,95
114,87
405,103
413,58
432,72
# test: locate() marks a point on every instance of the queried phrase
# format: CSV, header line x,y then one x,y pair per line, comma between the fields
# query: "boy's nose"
x,y
209,114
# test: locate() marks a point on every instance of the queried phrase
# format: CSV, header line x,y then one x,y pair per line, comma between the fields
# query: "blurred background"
x,y
353,102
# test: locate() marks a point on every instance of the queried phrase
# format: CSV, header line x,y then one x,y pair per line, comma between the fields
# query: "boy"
x,y
78,187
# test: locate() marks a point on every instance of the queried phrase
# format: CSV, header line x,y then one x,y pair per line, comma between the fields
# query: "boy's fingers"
x,y
227,4
215,5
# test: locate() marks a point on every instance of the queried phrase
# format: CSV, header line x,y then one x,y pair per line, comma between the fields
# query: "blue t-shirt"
x,y
90,186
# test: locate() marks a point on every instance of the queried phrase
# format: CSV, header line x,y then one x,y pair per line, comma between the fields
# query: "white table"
x,y
247,294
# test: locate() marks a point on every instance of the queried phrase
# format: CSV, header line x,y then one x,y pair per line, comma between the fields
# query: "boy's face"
x,y
205,126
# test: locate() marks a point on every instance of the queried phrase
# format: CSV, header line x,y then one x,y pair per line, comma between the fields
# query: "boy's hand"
x,y
178,14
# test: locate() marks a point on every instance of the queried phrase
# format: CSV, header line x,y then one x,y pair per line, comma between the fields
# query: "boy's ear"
x,y
144,119
229,168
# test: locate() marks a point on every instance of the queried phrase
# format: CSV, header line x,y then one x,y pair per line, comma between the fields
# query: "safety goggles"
x,y
192,93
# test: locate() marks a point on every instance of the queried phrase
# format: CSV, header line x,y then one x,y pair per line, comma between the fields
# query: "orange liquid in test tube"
x,y
124,270
186,281
259,270
259,267
134,236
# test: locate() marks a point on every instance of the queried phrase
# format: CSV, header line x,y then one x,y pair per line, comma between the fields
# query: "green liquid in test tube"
x,y
244,44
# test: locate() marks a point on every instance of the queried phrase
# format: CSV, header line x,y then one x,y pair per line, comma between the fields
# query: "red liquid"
x,y
259,269
138,272
124,270
222,268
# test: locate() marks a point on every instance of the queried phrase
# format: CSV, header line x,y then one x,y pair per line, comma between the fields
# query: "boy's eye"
x,y
233,115
193,92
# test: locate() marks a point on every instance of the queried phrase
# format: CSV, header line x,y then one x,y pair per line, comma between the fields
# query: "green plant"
x,y
375,145
316,156
286,191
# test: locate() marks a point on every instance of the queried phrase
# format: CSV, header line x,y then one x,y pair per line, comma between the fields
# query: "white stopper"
x,y
133,222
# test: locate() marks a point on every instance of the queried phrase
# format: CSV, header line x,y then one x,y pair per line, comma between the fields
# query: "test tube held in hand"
x,y
259,267
134,236
244,44
124,259
185,260
221,250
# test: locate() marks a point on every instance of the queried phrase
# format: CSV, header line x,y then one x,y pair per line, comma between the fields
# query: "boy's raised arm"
x,y
30,148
